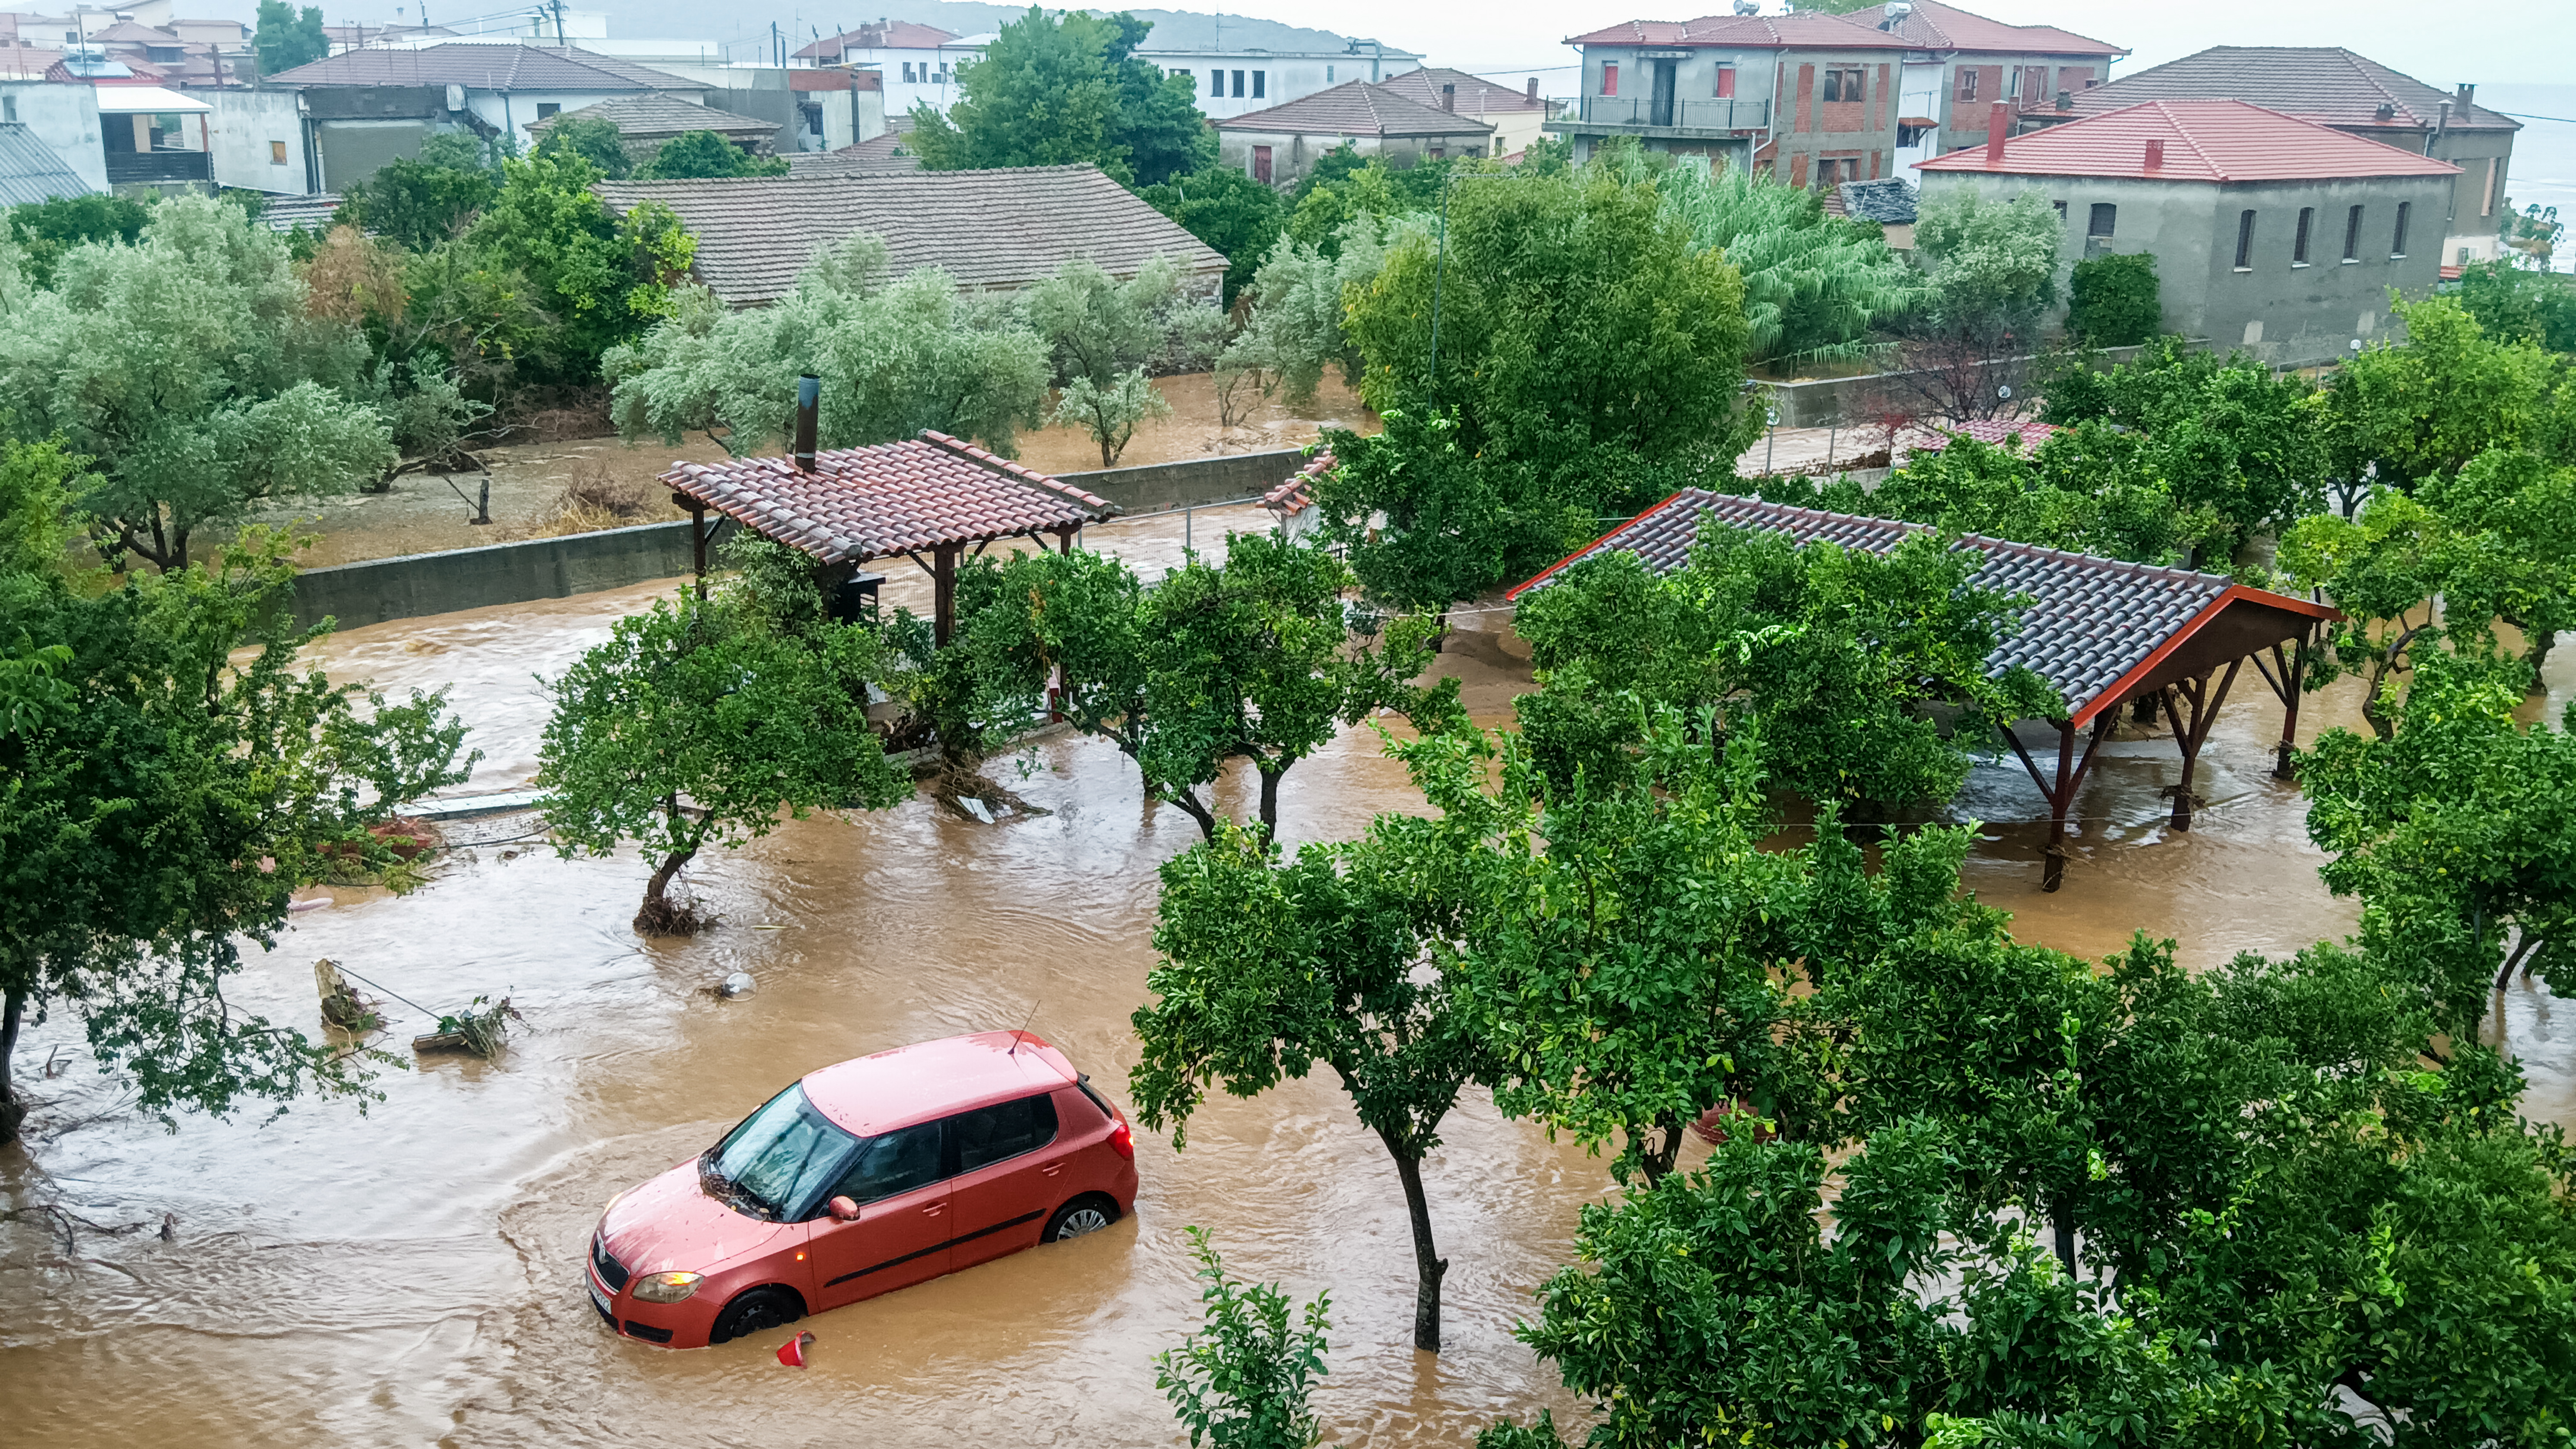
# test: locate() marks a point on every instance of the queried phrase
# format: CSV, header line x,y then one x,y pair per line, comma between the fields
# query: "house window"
x,y
1609,80
1261,164
2061,211
2299,243
907,73
9,109
1726,82
1260,84
2245,241
2397,245
1328,75
548,108
276,151
2105,217
2487,206
1439,153
1843,85
1238,85
1967,82
2352,236
1216,82
2034,84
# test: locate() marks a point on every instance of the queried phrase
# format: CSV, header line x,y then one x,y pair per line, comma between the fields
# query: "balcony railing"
x,y
159,166
1726,115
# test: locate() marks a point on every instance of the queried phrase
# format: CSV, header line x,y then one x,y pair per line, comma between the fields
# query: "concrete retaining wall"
x,y
420,584
1847,401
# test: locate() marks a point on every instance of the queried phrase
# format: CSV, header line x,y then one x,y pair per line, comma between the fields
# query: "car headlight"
x,y
667,1287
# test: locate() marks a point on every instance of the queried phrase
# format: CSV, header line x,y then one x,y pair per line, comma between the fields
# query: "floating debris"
x,y
792,1352
342,1006
737,986
481,1032
297,908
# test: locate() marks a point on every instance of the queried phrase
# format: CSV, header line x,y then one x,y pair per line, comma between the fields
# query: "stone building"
x,y
2271,233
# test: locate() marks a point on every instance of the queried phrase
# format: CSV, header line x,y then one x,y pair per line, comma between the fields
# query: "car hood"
x,y
669,1224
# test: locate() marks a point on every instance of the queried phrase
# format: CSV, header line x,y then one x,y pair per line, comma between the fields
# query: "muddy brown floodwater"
x,y
412,1274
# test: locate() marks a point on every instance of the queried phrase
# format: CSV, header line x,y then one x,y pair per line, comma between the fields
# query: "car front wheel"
x,y
1079,1217
756,1311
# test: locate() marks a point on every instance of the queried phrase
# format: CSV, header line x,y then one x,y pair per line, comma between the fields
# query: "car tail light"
x,y
1122,1141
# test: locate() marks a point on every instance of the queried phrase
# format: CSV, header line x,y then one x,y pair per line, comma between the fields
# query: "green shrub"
x,y
2116,301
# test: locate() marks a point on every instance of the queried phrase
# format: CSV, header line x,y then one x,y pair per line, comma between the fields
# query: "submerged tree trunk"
x,y
1658,1160
2062,1221
1270,798
1429,1265
12,1110
659,916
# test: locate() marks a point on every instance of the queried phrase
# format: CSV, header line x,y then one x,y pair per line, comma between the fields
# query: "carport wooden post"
x,y
697,537
2191,732
2052,869
1064,540
943,592
2293,670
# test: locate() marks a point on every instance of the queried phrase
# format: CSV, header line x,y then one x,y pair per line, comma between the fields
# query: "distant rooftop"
x,y
655,114
1930,26
2194,141
1356,108
1476,95
2315,82
484,66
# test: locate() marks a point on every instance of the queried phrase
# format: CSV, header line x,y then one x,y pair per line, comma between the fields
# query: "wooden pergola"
x,y
929,499
2103,632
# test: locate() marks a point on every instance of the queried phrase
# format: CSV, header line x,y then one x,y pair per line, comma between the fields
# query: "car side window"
x,y
893,1162
1006,1129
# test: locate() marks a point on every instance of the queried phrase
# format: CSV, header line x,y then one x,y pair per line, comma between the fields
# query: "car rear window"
x,y
1006,1129
1083,1080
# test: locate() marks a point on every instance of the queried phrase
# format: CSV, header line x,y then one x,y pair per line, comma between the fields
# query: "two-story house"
x,y
1816,99
2355,95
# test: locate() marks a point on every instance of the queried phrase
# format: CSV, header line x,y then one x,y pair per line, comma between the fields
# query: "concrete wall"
x,y
2287,313
2475,211
247,132
1846,401
420,584
65,118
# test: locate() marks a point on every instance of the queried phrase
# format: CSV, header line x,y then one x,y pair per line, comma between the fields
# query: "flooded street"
x,y
412,1275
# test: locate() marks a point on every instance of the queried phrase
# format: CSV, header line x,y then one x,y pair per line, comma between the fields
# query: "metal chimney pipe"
x,y
809,399
1532,90
1449,99
1998,129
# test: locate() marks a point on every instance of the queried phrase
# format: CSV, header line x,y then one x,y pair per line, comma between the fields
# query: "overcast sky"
x,y
2442,44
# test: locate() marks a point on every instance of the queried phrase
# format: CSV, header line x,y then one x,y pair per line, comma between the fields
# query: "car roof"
x,y
909,1084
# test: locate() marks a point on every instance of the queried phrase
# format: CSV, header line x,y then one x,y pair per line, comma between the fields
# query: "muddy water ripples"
x,y
410,1274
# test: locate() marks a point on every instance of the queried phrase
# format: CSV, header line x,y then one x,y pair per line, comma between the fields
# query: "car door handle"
x,y
934,1210
1052,1168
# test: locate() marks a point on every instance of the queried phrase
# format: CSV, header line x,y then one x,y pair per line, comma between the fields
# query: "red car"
x,y
865,1177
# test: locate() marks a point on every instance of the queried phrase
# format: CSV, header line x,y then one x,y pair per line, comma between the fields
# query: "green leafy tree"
x,y
1057,90
1237,216
2397,414
1822,657
1455,522
420,203
1242,1381
1296,330
1112,413
705,153
704,723
169,776
1106,333
594,139
285,38
1994,272
2512,302
44,230
1252,659
2115,300
1816,287
1270,970
896,356
185,365
604,280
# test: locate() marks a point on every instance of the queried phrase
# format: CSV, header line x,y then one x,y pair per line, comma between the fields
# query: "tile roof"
x,y
997,229
1936,26
893,498
483,66
656,114
26,62
30,170
2202,141
886,35
2322,83
1891,202
286,213
1297,494
1356,108
1477,96
1749,32
2090,623
880,153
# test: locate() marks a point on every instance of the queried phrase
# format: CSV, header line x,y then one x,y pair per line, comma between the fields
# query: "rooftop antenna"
x,y
1024,1028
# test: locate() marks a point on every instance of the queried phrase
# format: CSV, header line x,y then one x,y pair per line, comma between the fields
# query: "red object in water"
x,y
792,1352
1712,1124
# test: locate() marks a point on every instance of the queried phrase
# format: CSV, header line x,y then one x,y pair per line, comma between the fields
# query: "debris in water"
x,y
169,1227
297,908
976,808
342,1006
792,1352
737,986
479,1032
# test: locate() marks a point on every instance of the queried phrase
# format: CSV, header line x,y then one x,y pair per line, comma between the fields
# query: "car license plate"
x,y
599,1301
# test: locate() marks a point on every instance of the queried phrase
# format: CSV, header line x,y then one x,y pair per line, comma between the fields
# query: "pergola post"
x,y
2060,793
1064,540
2294,670
943,592
697,537
2192,731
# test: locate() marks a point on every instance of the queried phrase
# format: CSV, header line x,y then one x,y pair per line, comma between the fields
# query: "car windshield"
x,y
778,1161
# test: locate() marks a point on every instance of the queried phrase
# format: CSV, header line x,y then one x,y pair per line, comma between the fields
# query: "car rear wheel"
x,y
756,1311
1079,1217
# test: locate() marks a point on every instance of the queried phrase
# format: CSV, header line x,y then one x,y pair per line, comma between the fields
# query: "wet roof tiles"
x,y
1298,493
893,498
2089,623
2203,140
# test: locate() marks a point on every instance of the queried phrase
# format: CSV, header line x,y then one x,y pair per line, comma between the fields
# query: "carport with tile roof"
x,y
933,496
2102,632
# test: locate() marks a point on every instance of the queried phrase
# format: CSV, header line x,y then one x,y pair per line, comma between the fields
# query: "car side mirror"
x,y
843,1210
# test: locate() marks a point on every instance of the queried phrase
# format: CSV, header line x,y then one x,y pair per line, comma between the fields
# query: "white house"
x,y
64,118
1239,82
917,64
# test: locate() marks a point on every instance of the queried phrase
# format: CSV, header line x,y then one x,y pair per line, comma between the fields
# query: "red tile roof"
x,y
1297,494
1753,32
891,35
2202,141
1936,26
1477,96
894,498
